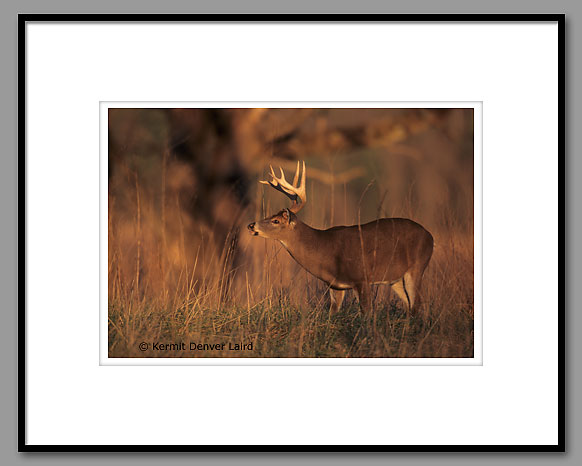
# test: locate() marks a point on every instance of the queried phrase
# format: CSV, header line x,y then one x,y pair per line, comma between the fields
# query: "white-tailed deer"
x,y
393,251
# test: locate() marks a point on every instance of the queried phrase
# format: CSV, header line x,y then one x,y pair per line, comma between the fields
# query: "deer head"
x,y
284,221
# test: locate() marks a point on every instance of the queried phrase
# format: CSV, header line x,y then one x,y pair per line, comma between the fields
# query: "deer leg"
x,y
417,274
409,284
337,297
403,288
364,296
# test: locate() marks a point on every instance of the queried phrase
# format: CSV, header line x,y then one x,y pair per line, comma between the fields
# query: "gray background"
x,y
8,225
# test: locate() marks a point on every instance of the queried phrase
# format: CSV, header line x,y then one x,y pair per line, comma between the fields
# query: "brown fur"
x,y
393,251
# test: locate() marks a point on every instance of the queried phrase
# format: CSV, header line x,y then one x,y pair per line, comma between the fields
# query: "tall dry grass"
x,y
171,283
182,268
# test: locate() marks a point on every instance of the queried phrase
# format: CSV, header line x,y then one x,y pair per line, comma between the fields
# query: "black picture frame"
x,y
23,19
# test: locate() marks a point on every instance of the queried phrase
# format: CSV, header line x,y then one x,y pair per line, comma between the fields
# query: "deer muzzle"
x,y
251,228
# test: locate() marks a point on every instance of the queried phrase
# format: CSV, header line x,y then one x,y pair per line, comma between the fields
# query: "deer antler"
x,y
293,191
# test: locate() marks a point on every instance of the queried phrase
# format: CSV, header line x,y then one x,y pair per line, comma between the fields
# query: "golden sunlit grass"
x,y
183,185
173,287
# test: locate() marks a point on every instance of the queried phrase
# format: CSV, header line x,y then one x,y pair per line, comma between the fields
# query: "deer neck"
x,y
302,242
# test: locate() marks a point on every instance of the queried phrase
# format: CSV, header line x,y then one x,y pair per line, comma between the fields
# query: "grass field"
x,y
162,296
183,269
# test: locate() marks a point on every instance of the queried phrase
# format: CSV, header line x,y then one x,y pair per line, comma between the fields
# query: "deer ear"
x,y
288,217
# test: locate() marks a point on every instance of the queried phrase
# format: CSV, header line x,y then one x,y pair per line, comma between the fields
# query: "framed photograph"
x,y
207,237
213,205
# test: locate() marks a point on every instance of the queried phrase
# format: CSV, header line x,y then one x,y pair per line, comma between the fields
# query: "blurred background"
x,y
183,185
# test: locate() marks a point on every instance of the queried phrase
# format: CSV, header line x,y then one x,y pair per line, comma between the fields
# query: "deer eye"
x,y
275,221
